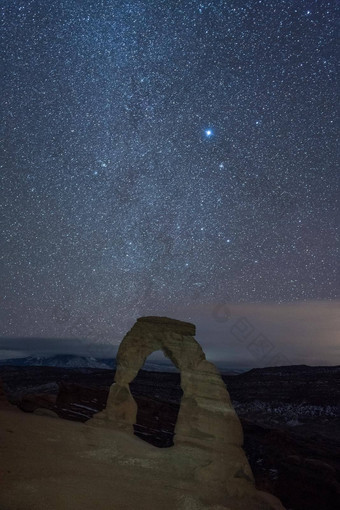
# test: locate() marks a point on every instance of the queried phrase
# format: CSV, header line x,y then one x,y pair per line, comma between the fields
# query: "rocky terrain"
x,y
290,417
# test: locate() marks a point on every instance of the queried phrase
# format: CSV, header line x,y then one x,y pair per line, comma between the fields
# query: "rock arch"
x,y
206,417
208,434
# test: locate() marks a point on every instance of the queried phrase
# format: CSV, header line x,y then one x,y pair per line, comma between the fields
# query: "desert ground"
x,y
54,464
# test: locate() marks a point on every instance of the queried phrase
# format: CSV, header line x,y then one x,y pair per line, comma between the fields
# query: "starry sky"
x,y
164,155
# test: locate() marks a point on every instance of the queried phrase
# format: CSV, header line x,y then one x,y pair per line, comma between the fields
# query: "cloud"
x,y
264,334
239,335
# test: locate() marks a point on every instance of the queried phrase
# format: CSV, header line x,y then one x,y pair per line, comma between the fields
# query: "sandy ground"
x,y
52,464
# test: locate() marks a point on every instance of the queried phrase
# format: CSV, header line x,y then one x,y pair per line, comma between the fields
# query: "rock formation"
x,y
208,434
29,403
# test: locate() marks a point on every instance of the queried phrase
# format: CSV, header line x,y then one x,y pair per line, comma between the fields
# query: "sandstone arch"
x,y
205,413
208,435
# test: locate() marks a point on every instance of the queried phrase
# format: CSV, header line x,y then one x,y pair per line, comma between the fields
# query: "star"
x,y
169,146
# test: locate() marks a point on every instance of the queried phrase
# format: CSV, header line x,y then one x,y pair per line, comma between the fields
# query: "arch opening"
x,y
157,392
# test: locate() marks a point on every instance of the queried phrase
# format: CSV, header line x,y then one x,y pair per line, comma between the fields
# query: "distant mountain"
x,y
74,361
226,370
291,370
62,361
159,366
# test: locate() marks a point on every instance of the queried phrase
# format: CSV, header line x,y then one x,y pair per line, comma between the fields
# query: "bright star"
x,y
208,133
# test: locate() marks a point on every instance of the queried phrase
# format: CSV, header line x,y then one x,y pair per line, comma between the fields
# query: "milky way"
x,y
164,152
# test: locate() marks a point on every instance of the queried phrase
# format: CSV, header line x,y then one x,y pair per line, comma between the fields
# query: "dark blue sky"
x,y
162,154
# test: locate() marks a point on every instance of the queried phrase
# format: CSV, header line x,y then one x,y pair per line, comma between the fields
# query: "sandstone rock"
x,y
78,402
207,430
30,402
41,411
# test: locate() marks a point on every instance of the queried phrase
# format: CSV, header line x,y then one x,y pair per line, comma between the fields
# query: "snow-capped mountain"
x,y
61,360
75,361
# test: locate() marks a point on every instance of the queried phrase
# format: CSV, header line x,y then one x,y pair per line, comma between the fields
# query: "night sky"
x,y
163,155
